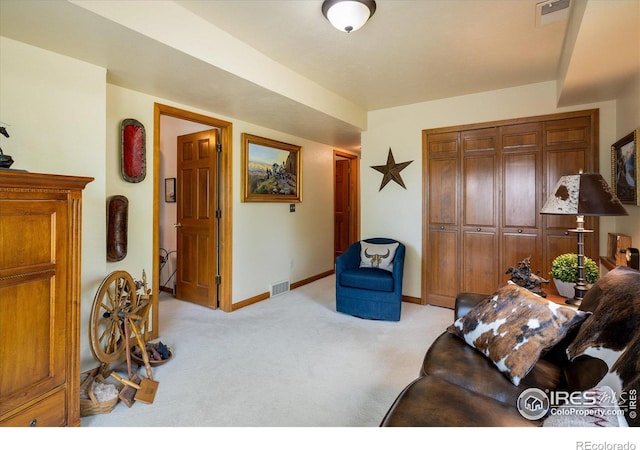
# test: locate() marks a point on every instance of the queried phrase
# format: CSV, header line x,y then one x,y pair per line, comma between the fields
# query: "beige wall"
x,y
56,111
628,119
270,244
125,104
396,212
64,118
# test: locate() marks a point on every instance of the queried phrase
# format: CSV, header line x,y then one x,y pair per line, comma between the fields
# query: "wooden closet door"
x,y
570,146
484,186
441,208
521,194
479,211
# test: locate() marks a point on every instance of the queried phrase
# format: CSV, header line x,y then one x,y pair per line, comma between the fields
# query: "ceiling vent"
x,y
552,11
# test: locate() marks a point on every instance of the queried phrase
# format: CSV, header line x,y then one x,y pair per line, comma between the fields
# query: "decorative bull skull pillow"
x,y
514,327
379,256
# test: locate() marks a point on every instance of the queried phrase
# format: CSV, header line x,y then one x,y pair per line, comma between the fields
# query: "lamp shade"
x,y
584,194
348,15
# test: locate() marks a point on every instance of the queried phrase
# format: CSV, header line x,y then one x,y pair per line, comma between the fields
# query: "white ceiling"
x,y
409,52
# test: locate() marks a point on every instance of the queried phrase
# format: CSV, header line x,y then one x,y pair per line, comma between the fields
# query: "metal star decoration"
x,y
391,171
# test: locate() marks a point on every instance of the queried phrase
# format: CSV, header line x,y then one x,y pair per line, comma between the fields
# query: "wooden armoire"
x,y
483,188
40,220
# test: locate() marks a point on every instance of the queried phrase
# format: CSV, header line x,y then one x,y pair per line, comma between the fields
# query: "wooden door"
x,y
568,150
521,194
479,210
484,186
346,205
196,196
341,206
441,206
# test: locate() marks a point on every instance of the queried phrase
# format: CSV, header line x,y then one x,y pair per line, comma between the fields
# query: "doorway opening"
x,y
221,204
346,226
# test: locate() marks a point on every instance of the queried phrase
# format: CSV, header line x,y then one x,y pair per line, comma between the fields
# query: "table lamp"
x,y
583,194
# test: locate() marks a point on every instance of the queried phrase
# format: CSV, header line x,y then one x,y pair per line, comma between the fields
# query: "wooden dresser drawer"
x,y
49,412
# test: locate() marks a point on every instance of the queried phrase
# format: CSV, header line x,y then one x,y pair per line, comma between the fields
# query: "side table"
x,y
555,298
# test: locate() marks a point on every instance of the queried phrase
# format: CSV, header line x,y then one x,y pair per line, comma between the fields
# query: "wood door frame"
x,y
225,206
354,193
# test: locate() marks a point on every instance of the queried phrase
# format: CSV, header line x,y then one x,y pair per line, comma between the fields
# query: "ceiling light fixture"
x,y
348,15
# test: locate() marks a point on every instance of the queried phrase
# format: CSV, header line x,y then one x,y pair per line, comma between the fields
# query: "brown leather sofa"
x,y
459,387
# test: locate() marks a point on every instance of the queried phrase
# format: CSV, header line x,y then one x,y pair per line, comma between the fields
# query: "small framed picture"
x,y
624,169
170,190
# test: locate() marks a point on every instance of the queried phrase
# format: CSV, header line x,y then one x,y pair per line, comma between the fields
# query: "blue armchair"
x,y
369,292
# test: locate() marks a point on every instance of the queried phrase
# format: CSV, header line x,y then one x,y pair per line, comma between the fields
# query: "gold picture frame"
x,y
624,169
271,170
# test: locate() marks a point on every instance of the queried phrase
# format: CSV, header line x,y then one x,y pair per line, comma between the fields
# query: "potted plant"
x,y
564,270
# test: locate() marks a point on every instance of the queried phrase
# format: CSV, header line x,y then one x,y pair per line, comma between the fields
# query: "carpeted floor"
x,y
289,361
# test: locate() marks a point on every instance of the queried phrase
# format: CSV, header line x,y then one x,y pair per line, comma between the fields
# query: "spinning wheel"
x,y
116,301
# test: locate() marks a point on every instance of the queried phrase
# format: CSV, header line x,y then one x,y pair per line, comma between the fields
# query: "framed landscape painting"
x,y
271,170
624,169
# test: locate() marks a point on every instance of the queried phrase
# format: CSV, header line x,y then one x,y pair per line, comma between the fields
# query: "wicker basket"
x,y
89,404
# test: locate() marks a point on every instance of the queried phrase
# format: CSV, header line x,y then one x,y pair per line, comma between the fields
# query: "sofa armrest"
x,y
467,300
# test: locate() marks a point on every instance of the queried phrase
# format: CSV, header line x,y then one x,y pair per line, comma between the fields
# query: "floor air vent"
x,y
279,288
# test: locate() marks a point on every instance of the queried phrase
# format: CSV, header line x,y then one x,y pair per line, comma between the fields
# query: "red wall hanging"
x,y
133,158
117,218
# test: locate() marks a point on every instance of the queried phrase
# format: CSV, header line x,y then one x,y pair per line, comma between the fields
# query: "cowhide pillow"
x,y
514,327
612,333
379,256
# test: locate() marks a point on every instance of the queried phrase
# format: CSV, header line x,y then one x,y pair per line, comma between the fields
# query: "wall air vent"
x,y
279,288
552,11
